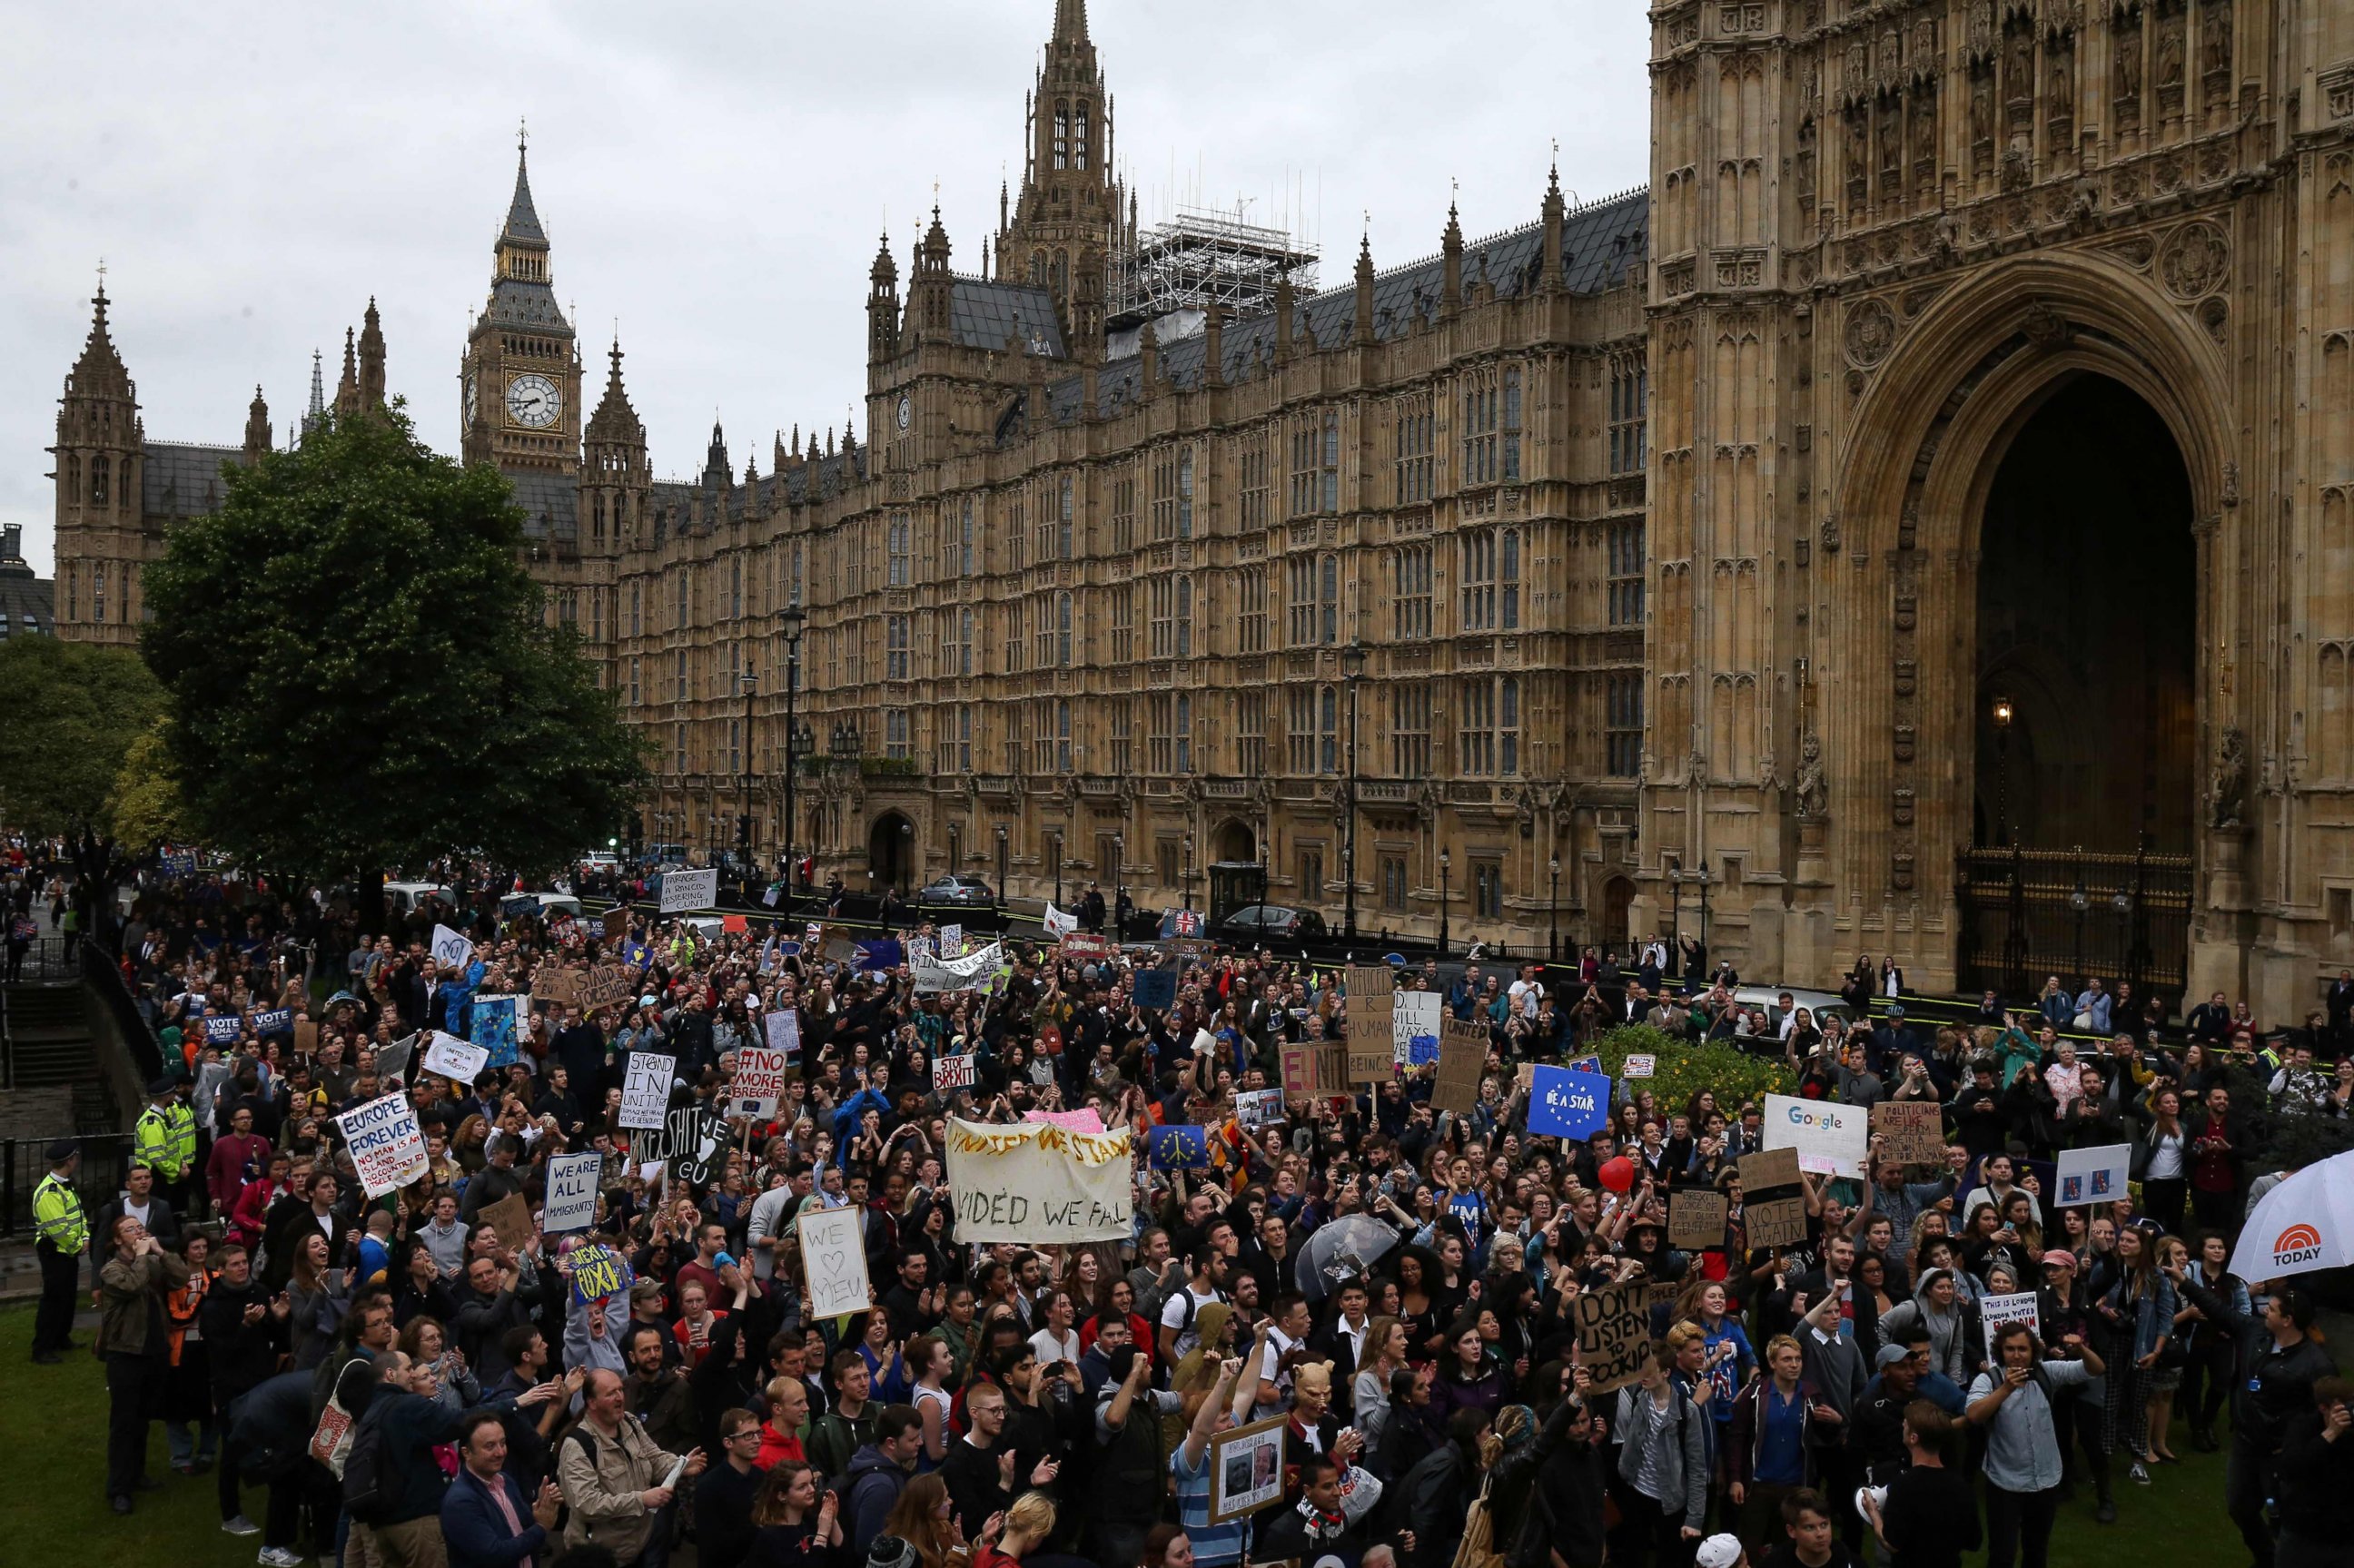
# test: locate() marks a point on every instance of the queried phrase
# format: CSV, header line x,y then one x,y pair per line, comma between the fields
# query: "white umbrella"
x,y
2304,1225
1340,1249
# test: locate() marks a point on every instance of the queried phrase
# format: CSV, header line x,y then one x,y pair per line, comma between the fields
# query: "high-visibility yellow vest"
x,y
58,1216
154,1144
184,1135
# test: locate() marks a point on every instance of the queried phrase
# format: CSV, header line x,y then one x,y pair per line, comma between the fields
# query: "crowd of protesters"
x,y
1833,1401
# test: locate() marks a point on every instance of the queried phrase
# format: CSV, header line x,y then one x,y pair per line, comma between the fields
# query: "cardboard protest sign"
x,y
1155,988
1247,1475
970,973
392,1061
1255,1108
509,1220
1562,1104
450,949
1696,1218
784,1031
1614,1332
645,1091
1415,1018
455,1058
685,891
1831,1138
607,985
1372,992
951,1074
596,1271
1911,1132
1772,1201
617,922
306,1038
572,1181
833,1263
1588,1064
1995,1312
1462,1057
388,1150
1083,949
692,1140
1298,1064
2092,1175
555,987
761,1076
1039,1184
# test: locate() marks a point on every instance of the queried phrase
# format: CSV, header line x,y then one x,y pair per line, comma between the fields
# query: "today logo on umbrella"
x,y
2298,1244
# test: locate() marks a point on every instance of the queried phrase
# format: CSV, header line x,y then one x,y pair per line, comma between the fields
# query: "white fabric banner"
x,y
1831,1139
1039,1184
1058,923
450,950
683,890
2304,1224
571,1192
971,973
387,1149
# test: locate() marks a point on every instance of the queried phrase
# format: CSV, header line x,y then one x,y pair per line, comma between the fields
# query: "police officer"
x,y
164,1140
61,1232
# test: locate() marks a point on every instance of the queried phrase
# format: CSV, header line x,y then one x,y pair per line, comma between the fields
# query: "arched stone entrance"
x,y
891,852
1235,842
1936,504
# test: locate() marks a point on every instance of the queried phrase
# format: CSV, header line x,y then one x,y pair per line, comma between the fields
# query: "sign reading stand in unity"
x,y
645,1091
387,1149
1371,995
1038,1184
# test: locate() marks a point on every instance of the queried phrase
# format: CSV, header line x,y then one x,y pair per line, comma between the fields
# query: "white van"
x,y
405,899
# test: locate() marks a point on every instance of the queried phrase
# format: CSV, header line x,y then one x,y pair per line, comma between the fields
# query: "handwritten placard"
x,y
645,1090
1911,1132
951,1074
387,1148
1614,1332
1696,1218
761,1077
1462,1057
455,1058
1372,993
833,1263
450,949
572,1192
685,891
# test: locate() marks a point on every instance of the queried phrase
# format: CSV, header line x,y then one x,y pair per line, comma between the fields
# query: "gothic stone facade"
x,y
1088,611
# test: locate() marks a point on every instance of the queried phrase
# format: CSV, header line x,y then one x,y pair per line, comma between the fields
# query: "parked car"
x,y
1823,1004
404,898
965,892
667,854
1255,923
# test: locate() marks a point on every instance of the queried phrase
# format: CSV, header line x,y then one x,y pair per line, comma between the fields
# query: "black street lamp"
x,y
1058,868
2081,901
1553,910
1118,883
1675,920
1443,864
2002,716
790,622
907,859
751,684
1001,894
1700,875
1352,664
1189,871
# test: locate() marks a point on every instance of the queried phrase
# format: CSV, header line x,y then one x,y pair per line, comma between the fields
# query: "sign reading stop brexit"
x,y
1563,1104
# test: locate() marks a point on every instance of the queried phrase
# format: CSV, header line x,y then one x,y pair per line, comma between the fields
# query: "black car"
x,y
957,892
1255,923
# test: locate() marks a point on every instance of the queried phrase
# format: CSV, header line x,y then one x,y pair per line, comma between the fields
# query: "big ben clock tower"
x,y
519,383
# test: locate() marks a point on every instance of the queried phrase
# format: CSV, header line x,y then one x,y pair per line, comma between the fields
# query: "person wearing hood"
x,y
878,1473
1949,1319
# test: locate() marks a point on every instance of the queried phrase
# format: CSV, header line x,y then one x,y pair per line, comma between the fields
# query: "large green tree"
x,y
359,675
68,713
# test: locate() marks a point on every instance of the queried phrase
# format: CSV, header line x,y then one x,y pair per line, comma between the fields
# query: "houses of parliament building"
x,y
1916,525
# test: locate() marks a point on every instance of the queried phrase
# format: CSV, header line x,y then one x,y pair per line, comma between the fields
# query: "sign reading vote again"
x,y
1562,1104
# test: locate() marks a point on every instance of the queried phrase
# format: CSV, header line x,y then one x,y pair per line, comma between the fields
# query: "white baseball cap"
x,y
1718,1552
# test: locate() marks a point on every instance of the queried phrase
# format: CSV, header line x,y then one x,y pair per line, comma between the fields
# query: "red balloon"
x,y
1618,1174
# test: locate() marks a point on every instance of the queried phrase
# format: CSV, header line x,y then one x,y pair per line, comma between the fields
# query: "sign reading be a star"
x,y
1562,1104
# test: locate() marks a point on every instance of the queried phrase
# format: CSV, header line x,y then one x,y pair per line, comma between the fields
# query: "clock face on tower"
x,y
907,410
533,402
473,394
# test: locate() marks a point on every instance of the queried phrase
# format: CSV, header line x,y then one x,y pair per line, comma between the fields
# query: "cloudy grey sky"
x,y
713,176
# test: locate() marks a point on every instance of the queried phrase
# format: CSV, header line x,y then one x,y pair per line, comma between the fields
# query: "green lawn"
x,y
53,1434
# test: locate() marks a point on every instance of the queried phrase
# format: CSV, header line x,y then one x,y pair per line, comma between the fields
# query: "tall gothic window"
x,y
1079,141
1062,135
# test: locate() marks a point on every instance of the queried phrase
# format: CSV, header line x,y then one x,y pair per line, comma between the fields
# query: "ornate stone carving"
x,y
2194,260
1813,793
2045,327
1871,333
2227,782
2231,483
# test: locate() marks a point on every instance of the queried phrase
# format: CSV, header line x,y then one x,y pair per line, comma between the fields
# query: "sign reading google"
x,y
1831,1139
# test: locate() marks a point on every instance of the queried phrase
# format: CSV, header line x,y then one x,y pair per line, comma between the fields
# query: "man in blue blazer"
x,y
485,1519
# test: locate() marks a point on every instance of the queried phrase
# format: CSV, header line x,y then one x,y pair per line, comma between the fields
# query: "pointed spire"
x,y
257,429
523,219
347,390
372,358
715,462
1451,273
777,459
1555,212
1070,21
317,408
615,422
99,370
1365,289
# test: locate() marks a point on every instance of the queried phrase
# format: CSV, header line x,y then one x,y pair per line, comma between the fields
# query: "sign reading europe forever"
x,y
1562,1104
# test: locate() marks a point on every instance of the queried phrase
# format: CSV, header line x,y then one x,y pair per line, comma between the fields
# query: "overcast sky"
x,y
714,176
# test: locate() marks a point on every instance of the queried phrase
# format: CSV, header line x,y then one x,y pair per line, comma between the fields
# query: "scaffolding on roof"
x,y
1202,257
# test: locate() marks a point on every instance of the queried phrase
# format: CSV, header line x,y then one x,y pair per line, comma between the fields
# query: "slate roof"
x,y
551,505
983,313
26,602
517,303
523,219
1600,242
184,480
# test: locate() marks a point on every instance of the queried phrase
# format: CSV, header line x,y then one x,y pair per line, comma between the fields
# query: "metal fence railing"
x,y
45,958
